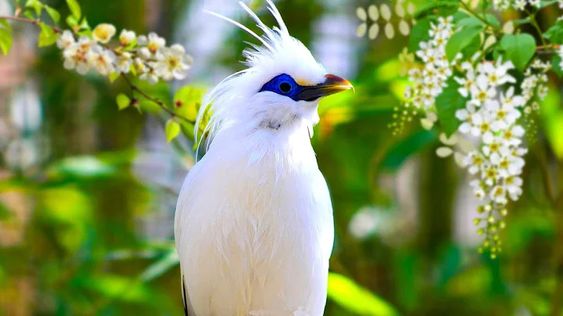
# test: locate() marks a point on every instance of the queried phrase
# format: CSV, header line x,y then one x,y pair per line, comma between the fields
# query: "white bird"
x,y
254,226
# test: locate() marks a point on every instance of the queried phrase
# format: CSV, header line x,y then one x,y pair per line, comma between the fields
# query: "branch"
x,y
156,101
30,21
536,26
475,14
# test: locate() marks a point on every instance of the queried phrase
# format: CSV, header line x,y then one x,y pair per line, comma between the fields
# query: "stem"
x,y
156,101
475,14
547,49
536,26
29,21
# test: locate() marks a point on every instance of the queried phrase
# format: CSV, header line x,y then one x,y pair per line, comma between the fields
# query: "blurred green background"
x,y
87,193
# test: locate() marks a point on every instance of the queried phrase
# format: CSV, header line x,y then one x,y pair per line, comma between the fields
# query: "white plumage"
x,y
253,225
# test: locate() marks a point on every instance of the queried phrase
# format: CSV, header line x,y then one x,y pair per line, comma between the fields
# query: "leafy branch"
x,y
146,57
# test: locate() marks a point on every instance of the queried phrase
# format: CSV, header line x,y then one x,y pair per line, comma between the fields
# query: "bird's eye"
x,y
285,87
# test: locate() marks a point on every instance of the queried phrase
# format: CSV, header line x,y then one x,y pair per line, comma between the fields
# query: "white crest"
x,y
278,53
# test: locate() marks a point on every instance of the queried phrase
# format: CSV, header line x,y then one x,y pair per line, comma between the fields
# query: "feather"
x,y
242,27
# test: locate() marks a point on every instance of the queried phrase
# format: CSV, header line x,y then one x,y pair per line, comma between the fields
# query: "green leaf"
x,y
122,101
35,5
419,33
407,147
47,36
172,129
447,103
74,9
438,7
468,21
71,21
492,20
54,14
355,298
5,37
461,39
518,48
555,33
187,101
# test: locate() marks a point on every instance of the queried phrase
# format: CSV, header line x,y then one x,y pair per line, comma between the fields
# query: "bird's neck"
x,y
286,149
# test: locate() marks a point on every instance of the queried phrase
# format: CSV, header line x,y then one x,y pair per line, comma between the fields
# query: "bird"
x,y
254,224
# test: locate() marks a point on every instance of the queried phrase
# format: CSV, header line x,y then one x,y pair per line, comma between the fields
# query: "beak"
x,y
332,84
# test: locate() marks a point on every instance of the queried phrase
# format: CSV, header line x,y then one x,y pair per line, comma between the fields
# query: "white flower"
x,y
482,90
474,161
467,83
497,74
498,194
513,185
478,189
126,37
173,63
467,116
102,60
124,62
513,136
502,115
155,43
509,99
139,65
103,33
482,125
150,74
492,146
65,40
77,55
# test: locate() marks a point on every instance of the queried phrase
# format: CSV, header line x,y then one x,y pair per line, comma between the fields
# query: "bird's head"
x,y
281,87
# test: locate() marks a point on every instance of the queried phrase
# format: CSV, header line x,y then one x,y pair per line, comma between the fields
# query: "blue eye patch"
x,y
285,85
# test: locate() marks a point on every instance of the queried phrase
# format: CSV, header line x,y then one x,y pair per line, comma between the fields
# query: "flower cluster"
x,y
535,84
145,56
515,4
491,116
429,78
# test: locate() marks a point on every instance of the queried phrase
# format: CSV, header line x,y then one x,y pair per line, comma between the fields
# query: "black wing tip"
x,y
184,298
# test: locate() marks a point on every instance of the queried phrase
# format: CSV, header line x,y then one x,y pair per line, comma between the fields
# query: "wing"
x,y
180,207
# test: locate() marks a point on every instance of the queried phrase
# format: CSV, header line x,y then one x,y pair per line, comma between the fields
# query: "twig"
x,y
475,14
156,101
536,26
30,21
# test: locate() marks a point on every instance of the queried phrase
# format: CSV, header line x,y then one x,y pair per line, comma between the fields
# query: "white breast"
x,y
254,228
